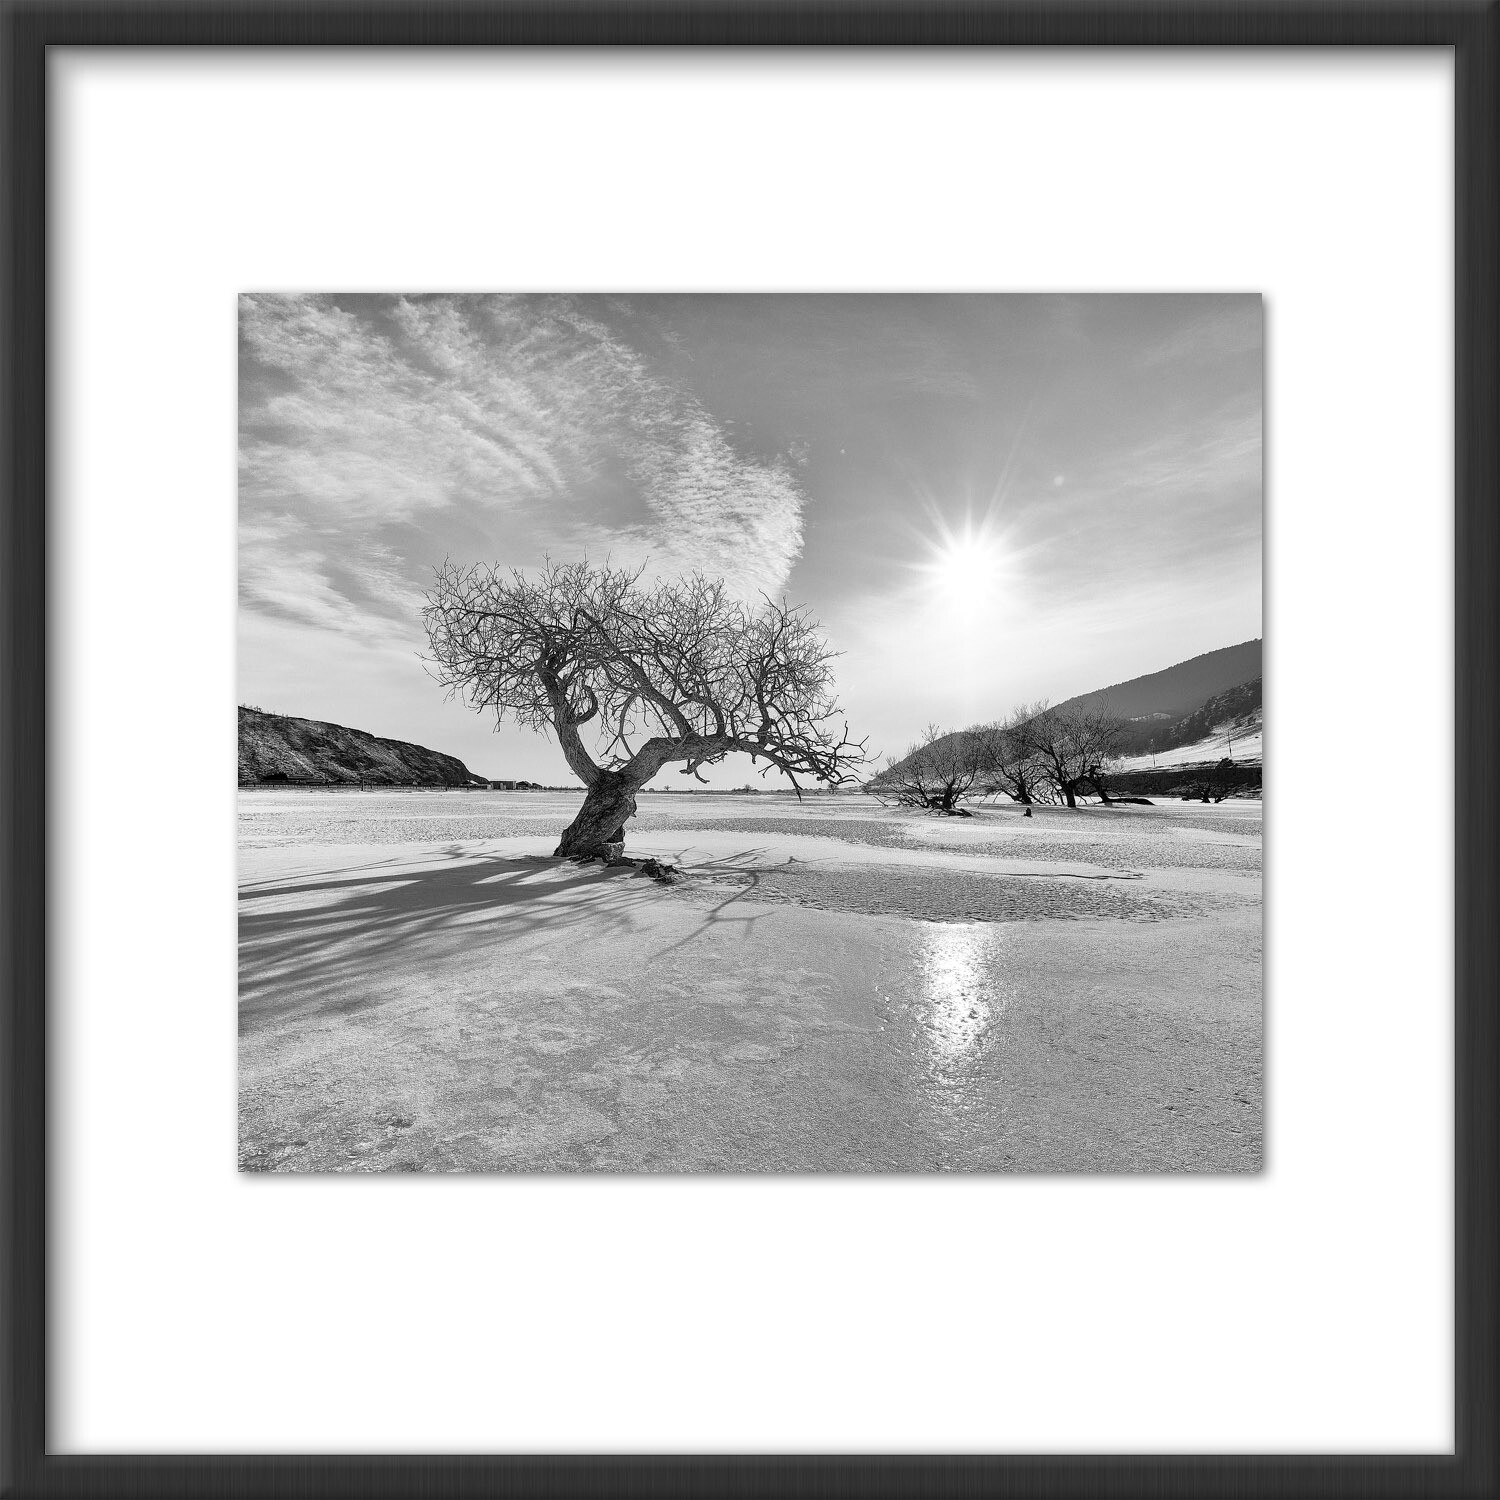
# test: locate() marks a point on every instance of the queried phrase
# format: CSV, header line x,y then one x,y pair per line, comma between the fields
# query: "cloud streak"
x,y
493,426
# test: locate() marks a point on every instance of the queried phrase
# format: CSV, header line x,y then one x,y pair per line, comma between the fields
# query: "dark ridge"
x,y
1179,690
279,751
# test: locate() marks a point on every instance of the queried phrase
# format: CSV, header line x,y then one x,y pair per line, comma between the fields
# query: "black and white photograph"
x,y
750,733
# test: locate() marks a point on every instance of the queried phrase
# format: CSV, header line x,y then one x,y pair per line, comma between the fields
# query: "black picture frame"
x,y
27,29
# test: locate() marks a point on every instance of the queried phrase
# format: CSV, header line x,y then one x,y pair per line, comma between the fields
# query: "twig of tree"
x,y
937,772
1011,763
1037,754
1074,747
632,676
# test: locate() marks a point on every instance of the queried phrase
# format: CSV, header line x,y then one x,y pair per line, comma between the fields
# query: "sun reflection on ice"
x,y
959,996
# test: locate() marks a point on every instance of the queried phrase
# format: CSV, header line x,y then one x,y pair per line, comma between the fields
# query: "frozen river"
x,y
830,986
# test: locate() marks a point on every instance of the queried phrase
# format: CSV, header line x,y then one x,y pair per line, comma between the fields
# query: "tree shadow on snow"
x,y
304,937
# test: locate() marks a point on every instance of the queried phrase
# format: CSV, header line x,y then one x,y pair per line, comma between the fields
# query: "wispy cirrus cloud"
x,y
1138,521
379,434
1226,328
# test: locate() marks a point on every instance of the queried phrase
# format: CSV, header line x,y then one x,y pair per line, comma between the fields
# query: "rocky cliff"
x,y
276,750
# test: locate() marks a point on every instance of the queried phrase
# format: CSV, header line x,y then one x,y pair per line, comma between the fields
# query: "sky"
x,y
985,499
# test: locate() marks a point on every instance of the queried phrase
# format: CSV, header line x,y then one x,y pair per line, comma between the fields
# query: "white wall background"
x,y
195,1310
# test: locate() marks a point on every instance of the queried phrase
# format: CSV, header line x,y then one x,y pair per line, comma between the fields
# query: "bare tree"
x,y
937,772
1009,762
1074,747
653,673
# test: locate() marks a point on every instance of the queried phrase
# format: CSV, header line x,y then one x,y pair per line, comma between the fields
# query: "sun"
x,y
966,569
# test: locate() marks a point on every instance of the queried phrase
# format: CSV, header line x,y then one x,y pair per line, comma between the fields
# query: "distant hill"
x,y
1180,690
1229,724
1240,706
277,749
1201,703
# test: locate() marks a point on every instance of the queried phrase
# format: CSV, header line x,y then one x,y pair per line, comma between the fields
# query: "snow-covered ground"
x,y
1241,743
830,986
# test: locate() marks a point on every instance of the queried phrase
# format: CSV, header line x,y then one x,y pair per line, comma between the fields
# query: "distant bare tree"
x,y
664,672
1009,763
937,772
1073,746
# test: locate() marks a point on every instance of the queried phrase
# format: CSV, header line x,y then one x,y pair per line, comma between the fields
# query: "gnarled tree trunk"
x,y
601,820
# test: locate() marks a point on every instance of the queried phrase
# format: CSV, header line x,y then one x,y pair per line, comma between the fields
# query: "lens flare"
x,y
967,569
